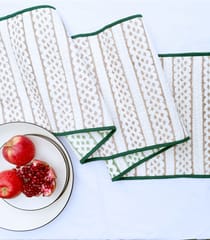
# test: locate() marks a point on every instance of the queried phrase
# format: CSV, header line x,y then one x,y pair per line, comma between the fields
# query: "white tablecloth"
x,y
150,209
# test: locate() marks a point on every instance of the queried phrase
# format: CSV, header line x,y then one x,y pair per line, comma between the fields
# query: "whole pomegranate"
x,y
10,184
19,150
39,179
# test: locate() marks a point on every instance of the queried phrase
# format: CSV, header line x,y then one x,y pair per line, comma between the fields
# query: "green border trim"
x,y
112,129
107,26
163,177
85,130
86,158
25,10
165,146
151,147
186,54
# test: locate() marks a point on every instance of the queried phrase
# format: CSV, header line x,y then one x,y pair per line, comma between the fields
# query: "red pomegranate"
x,y
10,184
39,179
19,150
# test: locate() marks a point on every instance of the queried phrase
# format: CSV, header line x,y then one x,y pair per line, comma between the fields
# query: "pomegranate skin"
x,y
10,184
19,150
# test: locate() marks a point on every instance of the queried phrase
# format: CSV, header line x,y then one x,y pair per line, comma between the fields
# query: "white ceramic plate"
x,y
22,213
46,150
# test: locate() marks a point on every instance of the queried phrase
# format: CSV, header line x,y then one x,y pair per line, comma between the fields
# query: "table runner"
x,y
107,93
189,78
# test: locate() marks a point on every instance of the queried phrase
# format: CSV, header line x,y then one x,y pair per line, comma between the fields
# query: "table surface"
x,y
149,209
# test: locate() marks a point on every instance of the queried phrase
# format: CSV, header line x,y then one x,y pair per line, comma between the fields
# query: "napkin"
x,y
105,91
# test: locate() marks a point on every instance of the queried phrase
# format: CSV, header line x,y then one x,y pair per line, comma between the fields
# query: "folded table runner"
x,y
106,92
189,78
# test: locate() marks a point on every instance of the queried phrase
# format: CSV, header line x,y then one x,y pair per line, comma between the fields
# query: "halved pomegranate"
x,y
39,179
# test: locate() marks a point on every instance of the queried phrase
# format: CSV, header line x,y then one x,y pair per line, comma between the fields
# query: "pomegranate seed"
x,y
38,178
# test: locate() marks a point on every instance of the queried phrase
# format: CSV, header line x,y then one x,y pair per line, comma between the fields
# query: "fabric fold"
x,y
105,91
37,82
132,82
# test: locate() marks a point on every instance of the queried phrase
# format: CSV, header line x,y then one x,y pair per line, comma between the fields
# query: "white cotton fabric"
x,y
105,91
163,209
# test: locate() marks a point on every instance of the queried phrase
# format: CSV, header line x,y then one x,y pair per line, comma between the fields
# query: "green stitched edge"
x,y
187,54
112,129
85,159
122,154
106,27
85,130
165,146
162,177
25,10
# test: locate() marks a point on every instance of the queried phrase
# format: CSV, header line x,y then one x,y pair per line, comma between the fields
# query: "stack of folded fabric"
x,y
109,93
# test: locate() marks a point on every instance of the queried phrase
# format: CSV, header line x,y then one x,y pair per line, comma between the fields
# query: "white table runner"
x,y
106,91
